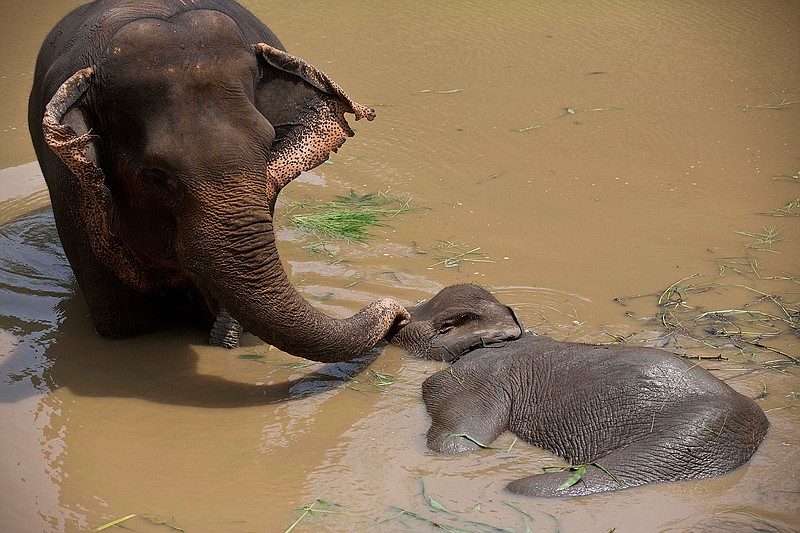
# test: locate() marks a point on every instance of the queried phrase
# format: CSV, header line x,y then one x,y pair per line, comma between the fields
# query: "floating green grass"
x,y
571,110
338,223
791,209
795,178
472,440
764,240
748,328
113,523
452,255
761,324
153,519
779,106
372,381
488,178
310,511
347,218
442,91
529,128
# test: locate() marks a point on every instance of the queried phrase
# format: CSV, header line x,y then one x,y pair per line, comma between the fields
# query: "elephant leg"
x,y
594,480
226,331
656,458
466,413
693,439
116,310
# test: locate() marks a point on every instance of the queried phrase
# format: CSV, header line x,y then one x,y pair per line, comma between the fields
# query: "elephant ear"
x,y
306,108
68,135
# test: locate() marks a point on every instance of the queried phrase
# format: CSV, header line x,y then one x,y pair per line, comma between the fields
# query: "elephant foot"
x,y
557,484
226,331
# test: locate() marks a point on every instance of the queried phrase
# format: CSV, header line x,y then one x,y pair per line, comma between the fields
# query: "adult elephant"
x,y
165,130
621,415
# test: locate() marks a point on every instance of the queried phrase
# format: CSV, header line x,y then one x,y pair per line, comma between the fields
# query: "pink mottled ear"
x,y
307,109
67,133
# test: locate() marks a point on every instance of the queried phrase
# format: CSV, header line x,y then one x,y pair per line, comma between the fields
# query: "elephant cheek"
x,y
412,338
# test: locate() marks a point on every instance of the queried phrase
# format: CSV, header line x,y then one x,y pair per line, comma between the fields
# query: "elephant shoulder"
x,y
481,376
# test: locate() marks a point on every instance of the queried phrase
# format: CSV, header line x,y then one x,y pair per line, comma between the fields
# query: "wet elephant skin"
x,y
165,133
632,415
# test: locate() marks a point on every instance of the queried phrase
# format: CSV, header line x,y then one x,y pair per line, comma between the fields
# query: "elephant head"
x,y
179,137
457,320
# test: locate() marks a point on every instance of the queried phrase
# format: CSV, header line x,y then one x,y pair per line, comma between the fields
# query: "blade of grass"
x,y
446,91
406,512
576,476
309,510
472,440
114,523
517,508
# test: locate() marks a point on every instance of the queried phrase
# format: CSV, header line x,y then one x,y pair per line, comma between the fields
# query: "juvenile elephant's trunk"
x,y
239,265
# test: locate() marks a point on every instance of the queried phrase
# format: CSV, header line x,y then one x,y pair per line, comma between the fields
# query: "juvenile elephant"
x,y
632,415
165,130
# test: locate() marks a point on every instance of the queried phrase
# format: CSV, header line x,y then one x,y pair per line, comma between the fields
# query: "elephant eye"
x,y
456,321
159,180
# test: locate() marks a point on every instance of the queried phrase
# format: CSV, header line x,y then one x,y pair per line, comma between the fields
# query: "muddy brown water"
x,y
591,151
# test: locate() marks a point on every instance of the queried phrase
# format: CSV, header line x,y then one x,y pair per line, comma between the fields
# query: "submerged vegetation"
x,y
437,516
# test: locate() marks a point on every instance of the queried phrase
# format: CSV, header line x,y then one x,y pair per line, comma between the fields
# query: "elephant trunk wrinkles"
x,y
235,257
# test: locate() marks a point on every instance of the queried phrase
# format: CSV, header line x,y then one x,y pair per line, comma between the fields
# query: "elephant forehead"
x,y
187,39
455,296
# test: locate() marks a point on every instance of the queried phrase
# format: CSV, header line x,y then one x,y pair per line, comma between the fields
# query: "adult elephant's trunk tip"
x,y
226,331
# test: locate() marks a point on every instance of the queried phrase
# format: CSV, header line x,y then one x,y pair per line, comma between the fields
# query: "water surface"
x,y
590,151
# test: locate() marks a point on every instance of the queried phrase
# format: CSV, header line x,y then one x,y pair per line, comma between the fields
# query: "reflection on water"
x,y
35,279
593,151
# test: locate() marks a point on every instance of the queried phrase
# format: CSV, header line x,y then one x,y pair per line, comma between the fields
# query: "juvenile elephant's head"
x,y
194,131
457,320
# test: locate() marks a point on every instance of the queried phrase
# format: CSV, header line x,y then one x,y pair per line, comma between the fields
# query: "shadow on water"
x,y
51,343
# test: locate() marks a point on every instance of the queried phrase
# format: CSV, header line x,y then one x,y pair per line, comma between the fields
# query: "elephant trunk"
x,y
234,256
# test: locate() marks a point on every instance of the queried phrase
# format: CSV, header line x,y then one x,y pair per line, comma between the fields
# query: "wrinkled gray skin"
x,y
165,130
643,414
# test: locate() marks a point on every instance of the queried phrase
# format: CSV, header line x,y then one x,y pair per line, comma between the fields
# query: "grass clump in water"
x,y
344,224
791,209
348,218
311,511
452,254
763,241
